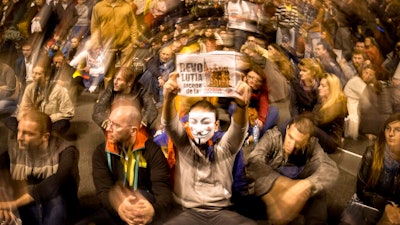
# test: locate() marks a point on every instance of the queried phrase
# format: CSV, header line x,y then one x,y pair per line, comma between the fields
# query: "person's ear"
x,y
217,123
46,136
134,129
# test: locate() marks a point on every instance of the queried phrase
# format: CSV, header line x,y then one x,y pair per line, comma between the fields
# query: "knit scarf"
x,y
131,158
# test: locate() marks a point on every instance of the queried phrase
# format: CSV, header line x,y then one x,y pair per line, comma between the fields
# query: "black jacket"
x,y
385,190
153,181
102,107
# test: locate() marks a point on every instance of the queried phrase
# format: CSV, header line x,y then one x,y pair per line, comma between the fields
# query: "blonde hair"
x,y
282,62
335,90
314,65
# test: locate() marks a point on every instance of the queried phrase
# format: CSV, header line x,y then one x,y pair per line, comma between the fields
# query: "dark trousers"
x,y
209,217
50,212
315,211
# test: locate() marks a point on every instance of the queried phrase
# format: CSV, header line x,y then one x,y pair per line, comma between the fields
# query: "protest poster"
x,y
208,74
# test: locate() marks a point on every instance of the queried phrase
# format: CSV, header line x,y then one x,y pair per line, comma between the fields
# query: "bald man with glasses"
x,y
130,172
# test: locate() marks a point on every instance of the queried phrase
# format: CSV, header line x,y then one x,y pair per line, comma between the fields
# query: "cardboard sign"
x,y
208,74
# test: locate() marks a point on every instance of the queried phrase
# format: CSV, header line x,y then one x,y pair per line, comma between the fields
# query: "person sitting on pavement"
x,y
156,74
90,65
377,196
330,112
291,173
130,172
125,83
9,89
44,171
46,95
367,105
203,170
304,89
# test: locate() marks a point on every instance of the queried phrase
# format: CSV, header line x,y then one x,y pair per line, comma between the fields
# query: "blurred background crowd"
x,y
336,61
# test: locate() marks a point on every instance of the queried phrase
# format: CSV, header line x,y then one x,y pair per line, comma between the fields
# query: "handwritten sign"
x,y
208,74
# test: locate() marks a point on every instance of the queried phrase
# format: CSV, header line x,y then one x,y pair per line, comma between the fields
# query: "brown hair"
x,y
42,119
127,74
303,124
314,65
379,151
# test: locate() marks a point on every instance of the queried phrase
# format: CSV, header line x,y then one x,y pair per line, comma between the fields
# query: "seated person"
x,y
267,116
157,71
90,64
44,169
330,112
378,188
292,173
9,87
304,89
125,83
49,97
366,104
130,172
203,171
7,216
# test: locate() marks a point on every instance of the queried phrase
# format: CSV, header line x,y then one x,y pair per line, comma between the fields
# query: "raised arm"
x,y
169,117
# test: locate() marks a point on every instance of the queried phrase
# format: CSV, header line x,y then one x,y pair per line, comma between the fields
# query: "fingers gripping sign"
x,y
243,91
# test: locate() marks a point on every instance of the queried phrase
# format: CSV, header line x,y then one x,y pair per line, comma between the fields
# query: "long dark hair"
x,y
379,151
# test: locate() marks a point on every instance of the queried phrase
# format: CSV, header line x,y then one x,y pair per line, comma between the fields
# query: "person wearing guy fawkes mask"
x,y
203,170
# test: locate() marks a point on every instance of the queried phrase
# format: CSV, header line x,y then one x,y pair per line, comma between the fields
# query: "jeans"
x,y
53,211
93,81
272,118
7,107
224,216
240,38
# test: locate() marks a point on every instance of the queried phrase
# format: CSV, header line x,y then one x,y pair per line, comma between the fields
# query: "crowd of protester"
x,y
330,63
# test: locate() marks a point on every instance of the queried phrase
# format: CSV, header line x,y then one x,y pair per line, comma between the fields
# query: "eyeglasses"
x,y
116,126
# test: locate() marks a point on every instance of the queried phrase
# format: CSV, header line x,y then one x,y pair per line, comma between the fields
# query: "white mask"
x,y
202,126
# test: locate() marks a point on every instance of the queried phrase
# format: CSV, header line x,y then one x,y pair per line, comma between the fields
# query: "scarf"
x,y
131,158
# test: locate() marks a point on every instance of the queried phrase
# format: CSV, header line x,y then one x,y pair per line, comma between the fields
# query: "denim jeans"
x,y
53,211
7,107
191,216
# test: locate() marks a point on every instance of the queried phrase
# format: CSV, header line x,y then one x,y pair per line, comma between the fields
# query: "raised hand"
x,y
243,91
171,88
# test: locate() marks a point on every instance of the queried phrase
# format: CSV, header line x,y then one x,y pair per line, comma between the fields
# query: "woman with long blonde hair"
x,y
330,112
